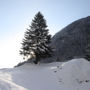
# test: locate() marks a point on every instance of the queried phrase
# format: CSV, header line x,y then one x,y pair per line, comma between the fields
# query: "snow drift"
x,y
71,75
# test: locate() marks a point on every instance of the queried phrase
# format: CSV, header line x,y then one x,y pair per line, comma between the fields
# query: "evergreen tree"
x,y
37,39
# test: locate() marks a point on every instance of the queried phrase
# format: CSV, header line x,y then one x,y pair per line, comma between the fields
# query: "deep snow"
x,y
71,75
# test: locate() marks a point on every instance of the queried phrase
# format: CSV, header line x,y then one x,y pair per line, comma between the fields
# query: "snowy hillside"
x,y
71,75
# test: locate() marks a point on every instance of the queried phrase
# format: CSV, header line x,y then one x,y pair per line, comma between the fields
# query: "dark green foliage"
x,y
36,41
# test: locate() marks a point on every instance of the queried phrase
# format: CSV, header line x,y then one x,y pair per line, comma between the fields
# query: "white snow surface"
x,y
71,75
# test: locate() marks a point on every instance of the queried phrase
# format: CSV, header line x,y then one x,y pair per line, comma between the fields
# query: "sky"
x,y
16,16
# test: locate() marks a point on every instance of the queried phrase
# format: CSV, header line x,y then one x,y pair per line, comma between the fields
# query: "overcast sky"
x,y
16,16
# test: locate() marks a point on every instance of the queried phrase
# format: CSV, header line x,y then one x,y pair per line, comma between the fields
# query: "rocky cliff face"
x,y
71,41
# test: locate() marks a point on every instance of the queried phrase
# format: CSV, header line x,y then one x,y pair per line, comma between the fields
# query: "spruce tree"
x,y
36,40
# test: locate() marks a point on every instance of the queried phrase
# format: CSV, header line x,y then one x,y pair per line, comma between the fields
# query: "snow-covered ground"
x,y
71,75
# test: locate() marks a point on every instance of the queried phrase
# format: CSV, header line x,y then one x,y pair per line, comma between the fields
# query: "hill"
x,y
71,41
71,75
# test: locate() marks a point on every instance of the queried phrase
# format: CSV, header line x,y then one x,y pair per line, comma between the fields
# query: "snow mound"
x,y
71,75
75,75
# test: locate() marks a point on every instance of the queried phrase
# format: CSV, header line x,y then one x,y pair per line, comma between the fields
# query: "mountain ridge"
x,y
70,42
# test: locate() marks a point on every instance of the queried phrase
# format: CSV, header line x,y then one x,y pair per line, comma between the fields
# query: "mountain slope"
x,y
71,41
72,75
